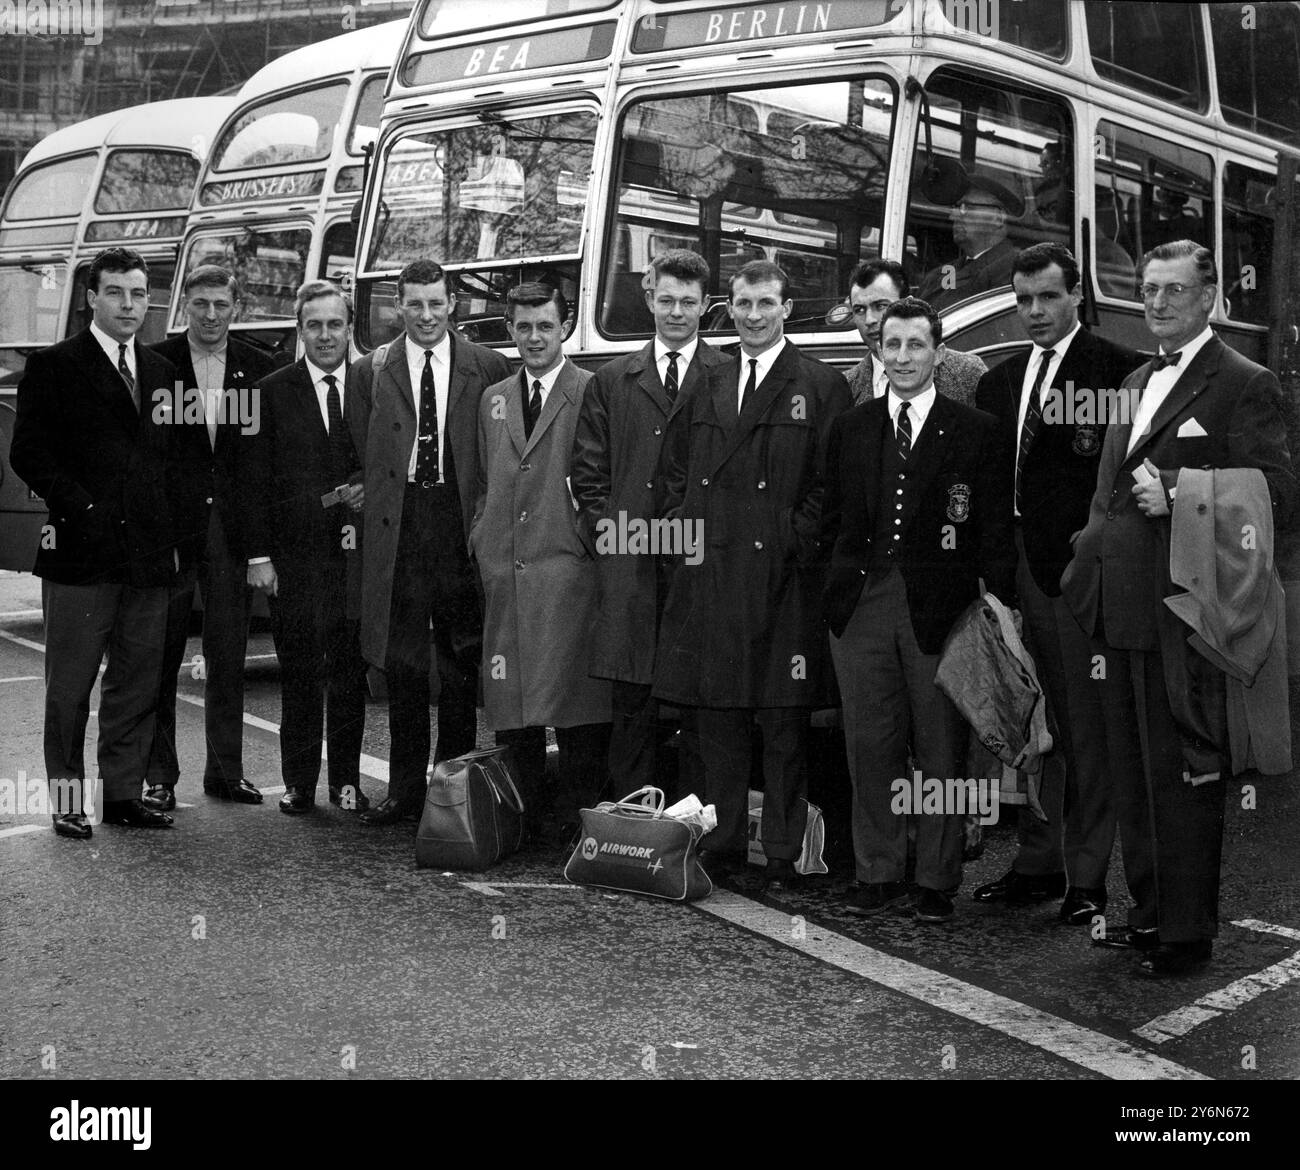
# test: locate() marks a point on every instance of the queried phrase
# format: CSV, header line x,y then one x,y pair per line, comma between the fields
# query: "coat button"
x,y
704,483
525,467
658,431
385,521
397,426
209,500
758,544
1110,515
523,517
762,483
649,487
519,565
392,474
1199,507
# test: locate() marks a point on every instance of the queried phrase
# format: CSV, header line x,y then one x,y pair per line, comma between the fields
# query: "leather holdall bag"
x,y
473,813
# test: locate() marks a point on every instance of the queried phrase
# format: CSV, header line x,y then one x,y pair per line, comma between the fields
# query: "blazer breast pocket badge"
x,y
1191,429
959,502
1086,440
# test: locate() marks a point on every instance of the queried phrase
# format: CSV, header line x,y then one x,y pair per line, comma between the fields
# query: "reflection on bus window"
x,y
795,174
61,188
999,177
1150,191
1251,57
444,18
365,122
146,180
29,302
499,191
1155,49
294,129
1249,212
270,267
338,254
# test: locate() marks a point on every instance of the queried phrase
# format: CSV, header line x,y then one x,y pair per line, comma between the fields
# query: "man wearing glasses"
x,y
875,285
985,255
1199,404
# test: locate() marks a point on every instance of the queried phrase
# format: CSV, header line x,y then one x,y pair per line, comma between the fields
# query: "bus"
x,y
276,198
125,178
573,139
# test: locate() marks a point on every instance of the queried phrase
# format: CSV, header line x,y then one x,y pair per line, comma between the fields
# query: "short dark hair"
x,y
866,272
315,289
115,260
1201,256
211,276
912,308
534,293
1039,257
684,265
419,272
757,271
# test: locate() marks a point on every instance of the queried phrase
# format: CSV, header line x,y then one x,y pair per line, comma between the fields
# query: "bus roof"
x,y
374,47
171,123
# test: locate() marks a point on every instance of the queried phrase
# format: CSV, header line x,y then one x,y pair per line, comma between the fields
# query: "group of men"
x,y
428,512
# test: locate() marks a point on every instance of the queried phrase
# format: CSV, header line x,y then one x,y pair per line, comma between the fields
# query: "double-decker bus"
x,y
573,139
124,178
276,197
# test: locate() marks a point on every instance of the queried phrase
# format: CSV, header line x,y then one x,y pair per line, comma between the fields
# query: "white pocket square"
x,y
1191,429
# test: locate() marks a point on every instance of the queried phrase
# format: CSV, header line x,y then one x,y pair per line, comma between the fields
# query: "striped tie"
x,y
1033,416
904,432
125,371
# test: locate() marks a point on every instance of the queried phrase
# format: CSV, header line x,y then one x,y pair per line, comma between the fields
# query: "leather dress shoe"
x,y
160,798
389,811
241,791
779,873
1020,889
873,897
73,825
359,802
933,906
132,814
1081,905
296,801
1174,959
1130,938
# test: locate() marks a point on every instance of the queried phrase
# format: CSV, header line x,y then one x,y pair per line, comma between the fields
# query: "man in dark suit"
x,y
625,412
741,640
984,254
917,512
89,442
1050,405
413,411
224,376
1198,404
300,494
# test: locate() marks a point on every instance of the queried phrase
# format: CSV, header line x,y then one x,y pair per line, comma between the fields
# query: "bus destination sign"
x,y
499,58
154,228
268,187
656,33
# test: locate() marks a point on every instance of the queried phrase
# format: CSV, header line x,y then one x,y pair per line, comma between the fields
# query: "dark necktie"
x,y
670,381
534,411
426,462
904,432
338,438
1033,416
125,371
1161,360
751,384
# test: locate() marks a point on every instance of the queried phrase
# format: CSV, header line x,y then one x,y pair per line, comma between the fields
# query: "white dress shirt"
x,y
765,360
685,353
547,380
1159,385
1031,376
317,376
210,374
441,367
918,410
110,347
879,377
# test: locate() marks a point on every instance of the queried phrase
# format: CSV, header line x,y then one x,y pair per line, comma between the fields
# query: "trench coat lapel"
x,y
755,406
562,392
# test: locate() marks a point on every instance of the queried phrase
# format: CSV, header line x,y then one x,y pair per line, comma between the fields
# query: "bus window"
x,y
1149,191
295,129
270,266
30,296
1155,49
338,253
146,180
445,18
795,174
999,177
59,189
365,122
1249,209
1253,51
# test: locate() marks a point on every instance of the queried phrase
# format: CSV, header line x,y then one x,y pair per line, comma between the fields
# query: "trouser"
x,y
726,747
1079,833
636,734
581,775
82,622
223,584
891,704
433,582
322,676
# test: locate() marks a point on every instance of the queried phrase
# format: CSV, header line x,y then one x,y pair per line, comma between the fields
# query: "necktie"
x,y
125,371
751,384
1033,416
1161,360
426,462
670,382
534,411
904,432
334,408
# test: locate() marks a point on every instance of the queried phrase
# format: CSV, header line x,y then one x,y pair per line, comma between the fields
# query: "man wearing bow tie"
x,y
1198,404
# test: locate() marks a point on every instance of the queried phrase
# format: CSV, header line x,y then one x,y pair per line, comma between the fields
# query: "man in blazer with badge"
x,y
625,411
90,440
227,375
413,410
917,511
1050,404
1199,404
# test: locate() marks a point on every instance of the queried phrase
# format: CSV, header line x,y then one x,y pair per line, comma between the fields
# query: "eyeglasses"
x,y
1172,291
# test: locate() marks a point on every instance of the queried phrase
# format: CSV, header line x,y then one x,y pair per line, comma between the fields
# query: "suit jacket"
x,y
1059,473
1119,577
382,417
956,526
955,377
79,440
990,270
282,474
615,459
742,625
208,473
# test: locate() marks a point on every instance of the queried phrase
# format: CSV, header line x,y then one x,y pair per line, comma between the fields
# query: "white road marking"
x,y
494,889
24,642
19,830
24,678
1267,928
20,613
